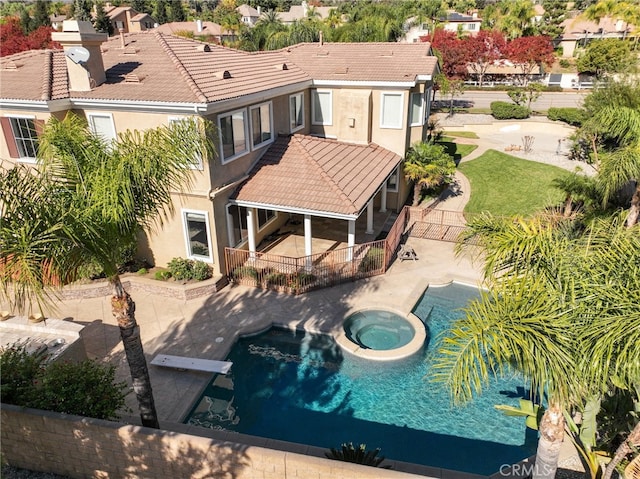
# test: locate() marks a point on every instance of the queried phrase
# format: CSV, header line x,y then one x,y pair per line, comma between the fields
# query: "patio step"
x,y
180,362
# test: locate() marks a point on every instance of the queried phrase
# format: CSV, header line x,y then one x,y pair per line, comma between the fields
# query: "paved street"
x,y
483,99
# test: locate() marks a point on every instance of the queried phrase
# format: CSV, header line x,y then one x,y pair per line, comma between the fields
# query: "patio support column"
x,y
351,238
307,241
383,198
251,231
369,230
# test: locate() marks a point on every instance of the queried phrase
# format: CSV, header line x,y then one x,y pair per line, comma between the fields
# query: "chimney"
x,y
199,26
122,42
83,75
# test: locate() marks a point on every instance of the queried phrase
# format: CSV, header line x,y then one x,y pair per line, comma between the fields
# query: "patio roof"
x,y
317,176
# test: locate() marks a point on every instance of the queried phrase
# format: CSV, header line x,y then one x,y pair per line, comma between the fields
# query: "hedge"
x,y
501,110
572,116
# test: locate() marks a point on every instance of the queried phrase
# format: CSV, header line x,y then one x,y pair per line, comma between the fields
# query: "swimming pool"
x,y
303,388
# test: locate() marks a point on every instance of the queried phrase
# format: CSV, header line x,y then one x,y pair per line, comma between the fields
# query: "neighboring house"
x,y
579,31
298,12
128,19
197,28
465,24
56,21
416,31
314,129
248,15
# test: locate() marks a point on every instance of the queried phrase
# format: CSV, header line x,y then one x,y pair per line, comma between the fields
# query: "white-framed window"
x,y
264,217
23,130
392,181
237,225
296,112
417,106
234,137
471,26
196,164
102,125
322,107
391,110
261,125
196,235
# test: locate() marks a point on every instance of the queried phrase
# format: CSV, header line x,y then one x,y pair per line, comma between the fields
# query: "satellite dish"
x,y
78,55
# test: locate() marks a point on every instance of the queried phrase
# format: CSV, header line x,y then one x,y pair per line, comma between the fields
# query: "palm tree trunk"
x,y
622,451
551,436
123,309
634,211
417,189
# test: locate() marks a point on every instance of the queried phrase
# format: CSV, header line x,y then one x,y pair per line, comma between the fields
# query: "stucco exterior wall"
x,y
80,447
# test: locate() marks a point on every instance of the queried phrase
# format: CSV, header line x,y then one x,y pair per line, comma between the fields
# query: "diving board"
x,y
180,362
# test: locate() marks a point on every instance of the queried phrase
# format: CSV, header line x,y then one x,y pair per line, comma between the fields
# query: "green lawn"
x,y
462,134
457,151
505,185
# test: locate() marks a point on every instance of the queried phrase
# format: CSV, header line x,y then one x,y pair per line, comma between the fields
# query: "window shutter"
x,y
39,126
9,138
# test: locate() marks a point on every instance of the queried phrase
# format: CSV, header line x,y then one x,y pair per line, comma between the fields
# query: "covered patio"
x,y
334,193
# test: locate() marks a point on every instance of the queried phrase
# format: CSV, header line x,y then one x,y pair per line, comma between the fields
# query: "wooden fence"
x,y
297,275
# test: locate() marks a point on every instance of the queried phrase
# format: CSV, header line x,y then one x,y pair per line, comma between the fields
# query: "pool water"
x,y
378,329
303,388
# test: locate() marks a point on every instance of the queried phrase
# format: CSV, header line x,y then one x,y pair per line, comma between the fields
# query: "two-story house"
x,y
316,129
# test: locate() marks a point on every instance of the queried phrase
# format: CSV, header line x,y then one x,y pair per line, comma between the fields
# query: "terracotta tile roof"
x,y
247,11
388,62
34,75
171,69
208,28
318,174
575,28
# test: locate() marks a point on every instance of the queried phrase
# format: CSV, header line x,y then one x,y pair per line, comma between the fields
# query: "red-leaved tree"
x,y
13,40
453,52
527,53
484,49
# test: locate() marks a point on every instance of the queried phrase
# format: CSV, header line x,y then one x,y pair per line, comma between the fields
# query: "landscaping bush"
x,y
275,279
372,260
242,272
572,116
142,271
180,269
501,110
87,388
348,453
162,275
201,271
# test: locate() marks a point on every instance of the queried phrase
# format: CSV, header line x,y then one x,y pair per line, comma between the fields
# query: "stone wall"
x,y
90,448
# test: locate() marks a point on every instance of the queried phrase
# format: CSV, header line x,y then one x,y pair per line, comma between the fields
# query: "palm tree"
x,y
104,194
558,299
620,167
428,165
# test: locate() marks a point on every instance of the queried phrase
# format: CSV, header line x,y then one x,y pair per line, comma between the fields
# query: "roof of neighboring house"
x,y
140,17
575,28
538,9
453,17
371,62
247,11
170,69
154,67
208,28
298,12
335,177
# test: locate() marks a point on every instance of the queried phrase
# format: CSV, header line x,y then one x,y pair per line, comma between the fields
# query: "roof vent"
x,y
224,75
8,65
203,48
282,67
342,70
133,78
323,53
130,51
387,54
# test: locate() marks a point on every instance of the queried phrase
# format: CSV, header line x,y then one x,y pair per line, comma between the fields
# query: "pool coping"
x,y
412,347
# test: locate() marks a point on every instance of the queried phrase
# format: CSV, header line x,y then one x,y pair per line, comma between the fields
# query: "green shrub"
x,y
242,272
87,388
572,116
348,453
553,88
501,110
142,271
201,271
564,63
372,260
180,268
162,275
275,279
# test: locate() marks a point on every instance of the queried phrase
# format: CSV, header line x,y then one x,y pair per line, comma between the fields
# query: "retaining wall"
x,y
90,448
